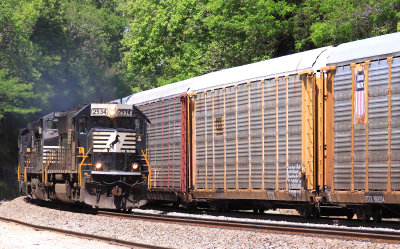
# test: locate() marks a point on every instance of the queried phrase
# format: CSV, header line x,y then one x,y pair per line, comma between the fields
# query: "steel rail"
x,y
385,236
112,241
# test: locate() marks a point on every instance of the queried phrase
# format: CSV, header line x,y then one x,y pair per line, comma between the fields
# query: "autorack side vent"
x,y
113,141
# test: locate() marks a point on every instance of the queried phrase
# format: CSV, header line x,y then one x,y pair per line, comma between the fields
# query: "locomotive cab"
x,y
110,145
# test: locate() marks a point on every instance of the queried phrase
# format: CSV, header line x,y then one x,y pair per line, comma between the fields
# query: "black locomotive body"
x,y
93,154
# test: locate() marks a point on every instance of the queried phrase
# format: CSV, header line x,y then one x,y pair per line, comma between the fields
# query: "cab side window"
x,y
82,125
139,126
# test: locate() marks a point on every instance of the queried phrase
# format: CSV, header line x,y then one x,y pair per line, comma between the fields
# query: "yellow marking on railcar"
x,y
308,129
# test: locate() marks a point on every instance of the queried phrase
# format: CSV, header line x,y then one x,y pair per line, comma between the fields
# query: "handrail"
x,y
44,169
144,155
25,175
82,151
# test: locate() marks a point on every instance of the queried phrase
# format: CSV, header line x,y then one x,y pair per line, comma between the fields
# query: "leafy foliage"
x,y
14,95
330,22
171,40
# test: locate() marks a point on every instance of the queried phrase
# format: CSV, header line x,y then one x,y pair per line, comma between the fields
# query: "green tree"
x,y
80,52
331,22
14,95
55,54
172,40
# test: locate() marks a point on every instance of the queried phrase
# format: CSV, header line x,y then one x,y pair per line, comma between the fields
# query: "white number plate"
x,y
124,113
99,112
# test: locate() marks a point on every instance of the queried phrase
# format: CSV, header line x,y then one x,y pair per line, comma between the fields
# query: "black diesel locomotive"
x,y
94,154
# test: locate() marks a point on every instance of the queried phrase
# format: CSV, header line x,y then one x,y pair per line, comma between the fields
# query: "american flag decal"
x,y
359,101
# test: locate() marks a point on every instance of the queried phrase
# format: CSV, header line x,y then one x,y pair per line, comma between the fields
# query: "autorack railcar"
x,y
316,131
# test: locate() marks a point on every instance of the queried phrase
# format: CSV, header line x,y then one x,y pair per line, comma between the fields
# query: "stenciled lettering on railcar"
x,y
271,195
293,176
374,197
219,125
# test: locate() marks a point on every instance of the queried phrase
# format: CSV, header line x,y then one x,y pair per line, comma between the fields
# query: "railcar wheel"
x,y
350,215
362,214
192,206
377,217
315,213
305,212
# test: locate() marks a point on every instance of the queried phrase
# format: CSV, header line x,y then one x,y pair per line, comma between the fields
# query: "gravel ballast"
x,y
171,235
13,236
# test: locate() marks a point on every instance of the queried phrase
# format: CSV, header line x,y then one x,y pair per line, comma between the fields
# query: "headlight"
x,y
113,111
98,166
135,166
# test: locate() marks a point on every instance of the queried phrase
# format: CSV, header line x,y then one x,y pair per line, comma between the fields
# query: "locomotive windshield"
x,y
121,122
51,124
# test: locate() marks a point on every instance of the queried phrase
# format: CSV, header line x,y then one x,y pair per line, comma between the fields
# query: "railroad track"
x,y
112,241
300,229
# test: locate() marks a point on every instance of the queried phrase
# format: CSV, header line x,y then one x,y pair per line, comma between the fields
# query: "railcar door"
x,y
309,124
327,137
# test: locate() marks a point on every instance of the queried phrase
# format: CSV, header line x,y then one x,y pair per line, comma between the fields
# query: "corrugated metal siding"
x,y
164,141
359,155
378,125
243,135
395,153
342,127
270,133
256,134
294,120
174,146
230,136
218,139
240,147
378,113
200,141
209,141
282,132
